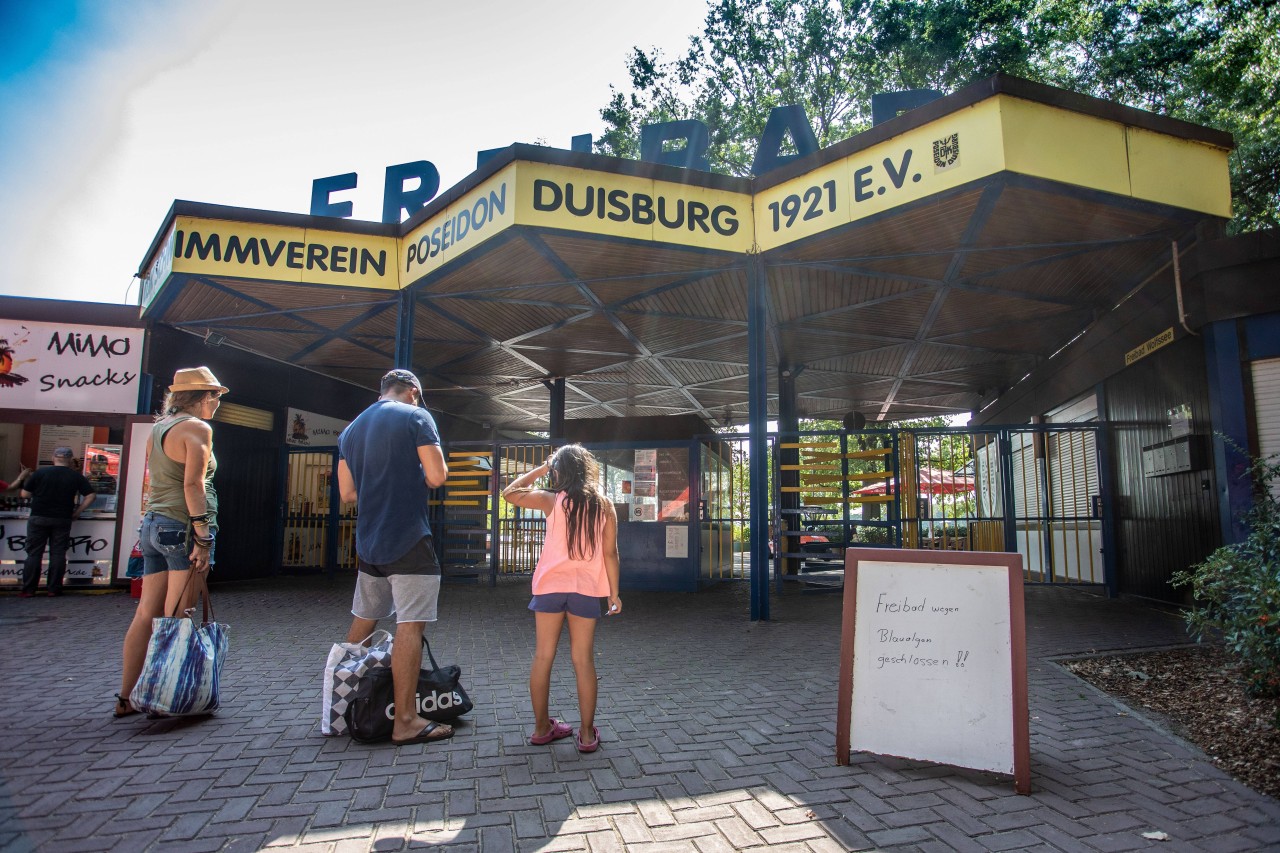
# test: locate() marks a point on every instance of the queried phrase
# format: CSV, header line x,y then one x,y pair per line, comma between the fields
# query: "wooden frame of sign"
x,y
933,660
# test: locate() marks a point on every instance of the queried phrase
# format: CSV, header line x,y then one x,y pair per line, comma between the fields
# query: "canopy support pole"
x,y
404,330
757,417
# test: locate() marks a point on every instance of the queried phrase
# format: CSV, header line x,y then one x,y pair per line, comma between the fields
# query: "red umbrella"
x,y
932,481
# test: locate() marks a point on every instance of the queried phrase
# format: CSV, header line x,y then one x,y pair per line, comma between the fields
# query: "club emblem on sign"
x,y
946,152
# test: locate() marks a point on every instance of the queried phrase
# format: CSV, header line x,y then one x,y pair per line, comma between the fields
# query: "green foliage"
x,y
1212,62
1237,589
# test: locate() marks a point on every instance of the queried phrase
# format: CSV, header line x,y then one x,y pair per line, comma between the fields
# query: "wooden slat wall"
x,y
1168,523
248,484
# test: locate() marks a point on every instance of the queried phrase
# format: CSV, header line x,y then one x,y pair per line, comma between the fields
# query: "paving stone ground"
x,y
717,735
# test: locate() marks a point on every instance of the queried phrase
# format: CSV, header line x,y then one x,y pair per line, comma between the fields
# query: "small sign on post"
x,y
933,662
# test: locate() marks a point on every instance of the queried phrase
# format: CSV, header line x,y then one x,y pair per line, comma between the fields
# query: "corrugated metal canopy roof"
x,y
919,309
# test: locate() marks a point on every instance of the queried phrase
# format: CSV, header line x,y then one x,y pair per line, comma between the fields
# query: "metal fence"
x,y
317,528
1036,490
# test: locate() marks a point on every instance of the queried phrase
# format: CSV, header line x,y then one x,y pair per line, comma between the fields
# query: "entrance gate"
x,y
317,528
1038,490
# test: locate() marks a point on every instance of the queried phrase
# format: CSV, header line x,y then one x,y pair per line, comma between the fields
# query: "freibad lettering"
x,y
432,702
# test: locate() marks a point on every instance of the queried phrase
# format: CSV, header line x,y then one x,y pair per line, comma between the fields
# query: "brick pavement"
x,y
717,735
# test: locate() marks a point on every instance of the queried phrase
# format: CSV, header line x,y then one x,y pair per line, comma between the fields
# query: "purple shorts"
x,y
586,606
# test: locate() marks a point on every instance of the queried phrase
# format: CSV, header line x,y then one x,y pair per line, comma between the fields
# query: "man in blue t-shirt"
x,y
389,458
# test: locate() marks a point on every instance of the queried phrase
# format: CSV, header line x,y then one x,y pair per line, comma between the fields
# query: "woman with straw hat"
x,y
180,525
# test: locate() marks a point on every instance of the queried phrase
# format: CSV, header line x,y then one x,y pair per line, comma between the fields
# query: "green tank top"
x,y
166,496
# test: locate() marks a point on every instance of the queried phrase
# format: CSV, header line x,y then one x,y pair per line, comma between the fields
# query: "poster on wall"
x,y
53,436
101,466
308,429
69,367
132,500
644,489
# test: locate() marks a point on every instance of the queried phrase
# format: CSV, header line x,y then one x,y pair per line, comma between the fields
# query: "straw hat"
x,y
196,379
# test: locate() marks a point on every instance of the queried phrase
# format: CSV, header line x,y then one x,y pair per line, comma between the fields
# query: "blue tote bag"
x,y
184,663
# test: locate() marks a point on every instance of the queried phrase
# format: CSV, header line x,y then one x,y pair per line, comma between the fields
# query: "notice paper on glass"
x,y
677,541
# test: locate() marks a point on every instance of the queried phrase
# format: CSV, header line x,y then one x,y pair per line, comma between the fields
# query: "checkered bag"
x,y
347,664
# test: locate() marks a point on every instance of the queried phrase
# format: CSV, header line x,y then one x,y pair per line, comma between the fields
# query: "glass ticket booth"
x,y
676,526
650,486
680,507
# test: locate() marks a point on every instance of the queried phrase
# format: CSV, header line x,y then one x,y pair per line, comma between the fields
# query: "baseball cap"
x,y
405,377
64,452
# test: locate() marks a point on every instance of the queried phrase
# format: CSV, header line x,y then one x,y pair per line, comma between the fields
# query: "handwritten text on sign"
x,y
928,638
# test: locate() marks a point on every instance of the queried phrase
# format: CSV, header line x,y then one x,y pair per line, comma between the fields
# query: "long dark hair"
x,y
576,472
180,401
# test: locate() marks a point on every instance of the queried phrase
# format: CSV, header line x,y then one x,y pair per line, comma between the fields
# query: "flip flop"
x,y
593,745
558,731
424,736
122,702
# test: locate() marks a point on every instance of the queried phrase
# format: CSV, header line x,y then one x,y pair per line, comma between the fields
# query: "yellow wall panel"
x,y
479,215
279,253
943,154
1179,172
803,206
1064,146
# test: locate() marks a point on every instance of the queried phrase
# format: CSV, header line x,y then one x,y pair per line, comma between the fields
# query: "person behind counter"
x,y
179,529
59,493
17,481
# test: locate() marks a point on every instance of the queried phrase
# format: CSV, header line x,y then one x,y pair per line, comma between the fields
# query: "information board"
x,y
933,659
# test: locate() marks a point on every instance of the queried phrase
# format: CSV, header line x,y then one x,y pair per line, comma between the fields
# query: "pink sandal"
x,y
558,731
593,745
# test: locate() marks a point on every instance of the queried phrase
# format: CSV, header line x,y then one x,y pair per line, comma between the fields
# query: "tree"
x,y
1212,62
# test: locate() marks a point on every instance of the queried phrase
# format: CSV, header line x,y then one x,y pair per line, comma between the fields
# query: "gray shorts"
x,y
409,587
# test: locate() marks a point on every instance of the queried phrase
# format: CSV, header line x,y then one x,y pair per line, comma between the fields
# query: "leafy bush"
x,y
1237,589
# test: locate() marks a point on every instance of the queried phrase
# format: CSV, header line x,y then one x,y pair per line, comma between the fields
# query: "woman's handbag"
x,y
370,715
181,674
347,664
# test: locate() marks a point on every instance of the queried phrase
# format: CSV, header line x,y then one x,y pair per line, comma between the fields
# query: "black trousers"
x,y
56,534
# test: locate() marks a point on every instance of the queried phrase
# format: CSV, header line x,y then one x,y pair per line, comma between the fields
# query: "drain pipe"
x,y
1177,288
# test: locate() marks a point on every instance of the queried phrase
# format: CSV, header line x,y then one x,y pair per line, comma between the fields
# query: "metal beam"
x,y
757,419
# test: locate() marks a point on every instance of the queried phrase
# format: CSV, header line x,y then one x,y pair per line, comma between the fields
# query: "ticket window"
x,y
648,485
93,535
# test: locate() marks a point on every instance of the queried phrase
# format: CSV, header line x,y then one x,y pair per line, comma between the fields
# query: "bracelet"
x,y
205,545
200,519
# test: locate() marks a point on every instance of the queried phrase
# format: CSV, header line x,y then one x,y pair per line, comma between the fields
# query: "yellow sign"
x,y
1000,134
943,154
460,227
628,206
1163,339
280,253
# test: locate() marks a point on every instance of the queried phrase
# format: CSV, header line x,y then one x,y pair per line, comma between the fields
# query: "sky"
x,y
112,109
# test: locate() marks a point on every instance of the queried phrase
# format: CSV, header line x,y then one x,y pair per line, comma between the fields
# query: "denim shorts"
x,y
586,606
163,542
